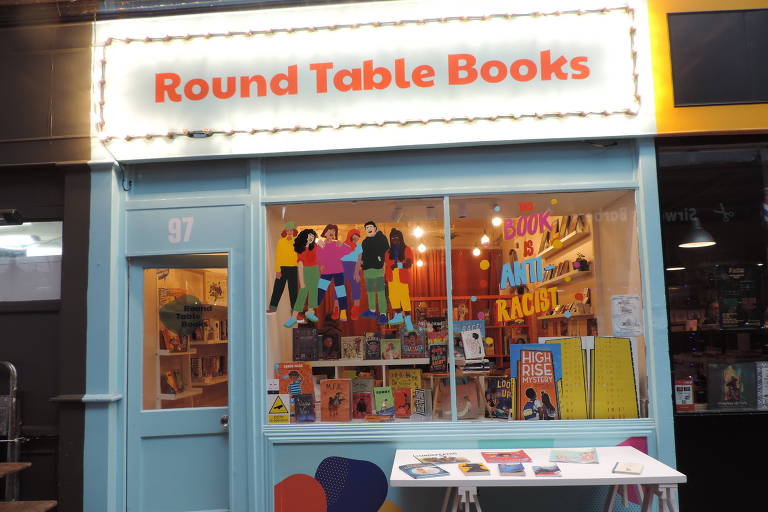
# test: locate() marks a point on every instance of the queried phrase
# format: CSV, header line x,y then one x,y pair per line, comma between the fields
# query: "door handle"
x,y
225,421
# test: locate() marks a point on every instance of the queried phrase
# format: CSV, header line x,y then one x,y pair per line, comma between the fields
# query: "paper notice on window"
x,y
626,315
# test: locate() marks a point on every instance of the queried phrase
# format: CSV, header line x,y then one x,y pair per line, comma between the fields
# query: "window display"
x,y
542,319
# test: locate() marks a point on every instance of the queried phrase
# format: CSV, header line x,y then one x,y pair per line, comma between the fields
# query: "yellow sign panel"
x,y
274,419
278,406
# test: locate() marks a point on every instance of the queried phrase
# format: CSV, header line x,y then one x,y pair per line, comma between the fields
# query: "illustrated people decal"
x,y
309,276
397,265
329,254
375,246
351,263
285,268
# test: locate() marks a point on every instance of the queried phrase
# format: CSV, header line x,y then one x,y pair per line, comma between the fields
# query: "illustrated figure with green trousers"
x,y
309,276
375,247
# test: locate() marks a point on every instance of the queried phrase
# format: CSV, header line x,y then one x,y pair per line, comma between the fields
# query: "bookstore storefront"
x,y
317,248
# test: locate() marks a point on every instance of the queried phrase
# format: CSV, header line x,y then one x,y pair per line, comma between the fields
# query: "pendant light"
x,y
697,237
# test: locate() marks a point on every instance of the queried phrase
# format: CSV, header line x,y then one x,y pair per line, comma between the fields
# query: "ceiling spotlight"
x,y
496,208
422,248
476,251
484,240
431,215
496,221
418,232
419,263
697,237
461,209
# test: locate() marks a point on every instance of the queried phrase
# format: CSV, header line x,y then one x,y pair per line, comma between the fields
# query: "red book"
x,y
335,400
516,456
362,405
402,402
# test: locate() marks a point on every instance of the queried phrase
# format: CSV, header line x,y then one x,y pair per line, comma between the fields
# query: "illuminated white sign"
x,y
494,71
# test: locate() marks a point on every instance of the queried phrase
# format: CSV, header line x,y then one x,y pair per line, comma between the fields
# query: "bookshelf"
x,y
574,275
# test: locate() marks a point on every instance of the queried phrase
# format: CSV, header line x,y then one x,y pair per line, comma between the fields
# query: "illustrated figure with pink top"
x,y
330,252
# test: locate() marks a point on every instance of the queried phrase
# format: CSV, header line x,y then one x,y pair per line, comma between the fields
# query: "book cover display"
x,y
499,394
362,405
372,346
352,347
383,401
469,338
614,381
403,402
335,399
294,378
412,344
536,373
423,470
732,386
438,358
305,344
440,457
304,408
576,455
512,456
390,348
574,398
404,378
684,395
550,470
474,469
511,470
330,346
422,404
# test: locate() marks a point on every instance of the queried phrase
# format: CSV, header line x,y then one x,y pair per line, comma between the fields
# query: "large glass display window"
x,y
522,307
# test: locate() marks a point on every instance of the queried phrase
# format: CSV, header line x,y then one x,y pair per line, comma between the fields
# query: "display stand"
x,y
656,479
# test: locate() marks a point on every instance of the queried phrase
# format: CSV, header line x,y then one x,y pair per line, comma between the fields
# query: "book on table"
x,y
550,470
511,470
423,470
440,457
630,468
508,456
577,455
474,469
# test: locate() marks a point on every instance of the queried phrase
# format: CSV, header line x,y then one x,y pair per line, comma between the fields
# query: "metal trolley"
x,y
10,430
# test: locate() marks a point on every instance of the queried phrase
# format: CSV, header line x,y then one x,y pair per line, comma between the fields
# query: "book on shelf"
x,y
352,347
362,404
305,344
440,457
422,404
473,344
577,455
404,378
550,470
363,385
335,400
171,382
613,379
403,402
467,398
330,346
474,469
506,456
535,370
630,468
295,378
511,470
390,348
684,395
499,402
732,386
423,470
412,343
383,401
574,391
372,346
438,358
304,408
196,368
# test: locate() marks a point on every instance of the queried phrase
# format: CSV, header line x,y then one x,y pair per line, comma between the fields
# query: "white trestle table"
x,y
656,479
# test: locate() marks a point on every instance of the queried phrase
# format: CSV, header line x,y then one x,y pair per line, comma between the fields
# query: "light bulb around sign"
x,y
422,248
418,232
484,240
496,221
476,251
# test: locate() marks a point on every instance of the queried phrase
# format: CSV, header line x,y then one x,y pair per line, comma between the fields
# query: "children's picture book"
x,y
474,348
412,344
362,385
630,468
295,378
304,408
352,347
422,404
403,402
305,344
512,456
171,382
574,392
362,405
468,346
578,455
390,348
330,346
436,337
335,399
535,370
423,470
438,358
474,469
499,395
383,401
404,378
440,457
172,342
511,470
732,386
372,346
467,398
614,379
551,470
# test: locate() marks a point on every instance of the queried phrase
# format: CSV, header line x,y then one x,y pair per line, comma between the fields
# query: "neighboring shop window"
x,y
714,211
30,261
546,295
186,337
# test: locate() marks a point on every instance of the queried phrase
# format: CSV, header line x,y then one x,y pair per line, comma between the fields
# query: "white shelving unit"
x,y
350,363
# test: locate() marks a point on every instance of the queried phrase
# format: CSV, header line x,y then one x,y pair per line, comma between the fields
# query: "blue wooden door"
x,y
186,352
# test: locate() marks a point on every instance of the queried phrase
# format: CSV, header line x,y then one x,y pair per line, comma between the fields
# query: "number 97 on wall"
x,y
180,229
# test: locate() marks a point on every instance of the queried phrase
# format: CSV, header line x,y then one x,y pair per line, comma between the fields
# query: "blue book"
x,y
511,470
423,470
